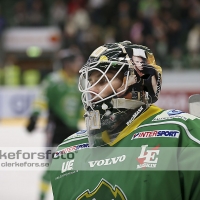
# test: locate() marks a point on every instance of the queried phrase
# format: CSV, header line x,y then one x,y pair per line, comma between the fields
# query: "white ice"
x,y
20,185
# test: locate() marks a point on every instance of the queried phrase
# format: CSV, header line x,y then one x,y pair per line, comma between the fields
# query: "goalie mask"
x,y
118,83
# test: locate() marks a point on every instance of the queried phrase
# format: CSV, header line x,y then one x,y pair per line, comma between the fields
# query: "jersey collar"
x,y
152,110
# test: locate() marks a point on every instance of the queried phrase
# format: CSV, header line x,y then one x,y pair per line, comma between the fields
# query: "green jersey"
x,y
155,157
60,95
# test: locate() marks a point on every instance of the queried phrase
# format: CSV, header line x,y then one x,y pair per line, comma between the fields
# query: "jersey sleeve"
x,y
64,157
189,160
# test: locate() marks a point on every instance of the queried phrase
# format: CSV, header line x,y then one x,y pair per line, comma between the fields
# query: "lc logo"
x,y
67,166
147,158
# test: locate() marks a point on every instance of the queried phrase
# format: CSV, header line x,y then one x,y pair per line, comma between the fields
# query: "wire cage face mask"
x,y
87,85
108,106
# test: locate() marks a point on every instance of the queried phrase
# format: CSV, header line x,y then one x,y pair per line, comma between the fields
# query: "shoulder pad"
x,y
77,134
75,138
54,76
73,143
173,114
190,123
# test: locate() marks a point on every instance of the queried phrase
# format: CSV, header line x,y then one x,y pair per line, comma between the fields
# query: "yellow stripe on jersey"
x,y
129,129
40,105
44,186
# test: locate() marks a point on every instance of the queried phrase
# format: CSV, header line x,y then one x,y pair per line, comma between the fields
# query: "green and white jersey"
x,y
60,95
157,156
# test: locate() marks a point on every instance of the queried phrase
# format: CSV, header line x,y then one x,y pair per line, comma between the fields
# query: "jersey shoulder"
x,y
74,142
189,124
174,115
54,76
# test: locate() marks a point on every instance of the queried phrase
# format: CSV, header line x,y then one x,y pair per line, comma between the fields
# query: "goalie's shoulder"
x,y
187,123
174,115
76,138
73,143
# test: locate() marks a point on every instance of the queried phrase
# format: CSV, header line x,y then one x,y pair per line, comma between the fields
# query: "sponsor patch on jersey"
x,y
174,112
71,149
148,158
135,115
156,133
81,132
108,161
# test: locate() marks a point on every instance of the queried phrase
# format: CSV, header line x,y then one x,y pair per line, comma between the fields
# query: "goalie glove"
x,y
32,123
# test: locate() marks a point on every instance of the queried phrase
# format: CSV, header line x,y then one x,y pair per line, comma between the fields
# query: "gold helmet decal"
x,y
97,52
103,58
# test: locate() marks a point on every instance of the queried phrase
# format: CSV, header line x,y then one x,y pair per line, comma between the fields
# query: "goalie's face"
x,y
104,86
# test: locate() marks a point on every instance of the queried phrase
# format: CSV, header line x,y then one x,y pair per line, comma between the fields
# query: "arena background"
x,y
32,32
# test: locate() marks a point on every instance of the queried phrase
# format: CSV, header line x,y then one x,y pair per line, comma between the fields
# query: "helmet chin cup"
x,y
92,119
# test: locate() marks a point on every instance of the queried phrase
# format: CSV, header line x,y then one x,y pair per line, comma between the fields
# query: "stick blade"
x,y
194,104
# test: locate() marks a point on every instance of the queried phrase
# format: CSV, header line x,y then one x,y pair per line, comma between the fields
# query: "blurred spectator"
x,y
124,22
193,46
20,14
109,36
58,13
31,77
2,21
36,15
148,8
162,50
77,23
163,25
159,28
136,35
174,32
193,40
176,59
11,71
80,19
29,13
95,9
73,6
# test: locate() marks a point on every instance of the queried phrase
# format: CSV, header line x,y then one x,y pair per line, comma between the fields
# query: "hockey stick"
x,y
194,104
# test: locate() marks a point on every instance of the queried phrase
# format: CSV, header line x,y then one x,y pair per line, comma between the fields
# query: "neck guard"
x,y
108,119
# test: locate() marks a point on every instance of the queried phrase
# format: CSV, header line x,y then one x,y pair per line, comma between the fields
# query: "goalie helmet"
x,y
109,109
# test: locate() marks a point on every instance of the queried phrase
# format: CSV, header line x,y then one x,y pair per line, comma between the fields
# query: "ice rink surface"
x,y
20,185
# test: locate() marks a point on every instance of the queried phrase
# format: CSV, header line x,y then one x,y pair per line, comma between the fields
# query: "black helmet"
x,y
140,84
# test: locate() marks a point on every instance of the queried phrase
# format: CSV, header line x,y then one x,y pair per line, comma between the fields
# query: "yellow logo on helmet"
x,y
103,59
